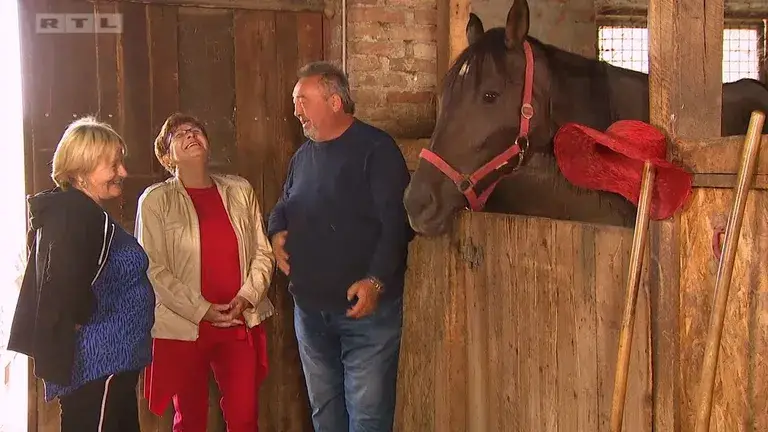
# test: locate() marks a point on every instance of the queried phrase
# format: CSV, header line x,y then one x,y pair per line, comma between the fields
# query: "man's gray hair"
x,y
333,79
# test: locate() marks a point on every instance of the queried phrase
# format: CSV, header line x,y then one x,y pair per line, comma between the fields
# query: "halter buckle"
x,y
522,143
464,185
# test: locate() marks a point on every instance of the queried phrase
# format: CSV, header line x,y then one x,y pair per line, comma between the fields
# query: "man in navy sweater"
x,y
340,233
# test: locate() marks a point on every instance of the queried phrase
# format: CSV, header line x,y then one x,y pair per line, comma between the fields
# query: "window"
x,y
627,46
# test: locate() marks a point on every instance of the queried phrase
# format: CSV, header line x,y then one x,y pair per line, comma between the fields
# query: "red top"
x,y
220,275
220,283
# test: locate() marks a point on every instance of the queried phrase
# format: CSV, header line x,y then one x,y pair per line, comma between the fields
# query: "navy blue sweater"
x,y
342,205
117,337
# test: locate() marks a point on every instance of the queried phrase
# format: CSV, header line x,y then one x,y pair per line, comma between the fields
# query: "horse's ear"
x,y
518,22
474,28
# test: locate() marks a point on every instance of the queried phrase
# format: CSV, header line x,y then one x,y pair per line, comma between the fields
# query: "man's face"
x,y
313,107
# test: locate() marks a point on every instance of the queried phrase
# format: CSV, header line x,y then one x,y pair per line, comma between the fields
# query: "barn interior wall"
x,y
567,24
391,61
734,6
392,48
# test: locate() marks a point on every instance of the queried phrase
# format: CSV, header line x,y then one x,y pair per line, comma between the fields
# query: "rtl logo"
x,y
79,23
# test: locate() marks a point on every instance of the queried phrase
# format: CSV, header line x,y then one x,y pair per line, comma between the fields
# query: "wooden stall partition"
x,y
686,61
232,67
512,324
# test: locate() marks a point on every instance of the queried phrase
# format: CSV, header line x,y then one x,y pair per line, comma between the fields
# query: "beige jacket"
x,y
167,228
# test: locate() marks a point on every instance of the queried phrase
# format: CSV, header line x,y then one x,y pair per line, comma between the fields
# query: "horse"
x,y
508,87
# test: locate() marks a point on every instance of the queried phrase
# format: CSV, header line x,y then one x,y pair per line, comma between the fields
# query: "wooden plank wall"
x,y
235,70
512,324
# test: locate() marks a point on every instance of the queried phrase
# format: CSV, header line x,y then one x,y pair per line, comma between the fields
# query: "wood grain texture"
x,y
685,53
207,78
271,5
59,85
168,61
717,155
269,49
512,324
740,398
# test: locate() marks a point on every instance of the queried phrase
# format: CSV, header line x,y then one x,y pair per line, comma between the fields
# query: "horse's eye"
x,y
490,97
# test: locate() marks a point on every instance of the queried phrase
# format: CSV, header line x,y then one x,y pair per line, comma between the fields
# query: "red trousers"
x,y
180,371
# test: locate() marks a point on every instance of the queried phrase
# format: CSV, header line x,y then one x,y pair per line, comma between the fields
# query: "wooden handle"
x,y
725,270
630,301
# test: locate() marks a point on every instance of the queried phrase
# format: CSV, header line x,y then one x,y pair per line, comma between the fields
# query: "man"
x,y
340,233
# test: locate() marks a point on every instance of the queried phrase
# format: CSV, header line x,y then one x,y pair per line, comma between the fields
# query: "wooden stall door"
x,y
512,324
234,69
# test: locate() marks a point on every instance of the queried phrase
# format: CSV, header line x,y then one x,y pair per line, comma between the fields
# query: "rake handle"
x,y
633,286
725,271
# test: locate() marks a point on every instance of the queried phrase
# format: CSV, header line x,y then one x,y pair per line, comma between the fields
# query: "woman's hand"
x,y
218,315
232,312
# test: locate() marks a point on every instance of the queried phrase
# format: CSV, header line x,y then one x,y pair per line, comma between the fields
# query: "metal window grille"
x,y
626,45
741,56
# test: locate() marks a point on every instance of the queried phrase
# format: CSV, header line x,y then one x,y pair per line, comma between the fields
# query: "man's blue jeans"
x,y
350,366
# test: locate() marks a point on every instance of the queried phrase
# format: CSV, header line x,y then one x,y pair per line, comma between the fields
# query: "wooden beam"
x,y
716,155
265,5
452,18
727,181
685,91
457,37
735,13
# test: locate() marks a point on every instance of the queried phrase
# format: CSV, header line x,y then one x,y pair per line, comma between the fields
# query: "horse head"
x,y
492,106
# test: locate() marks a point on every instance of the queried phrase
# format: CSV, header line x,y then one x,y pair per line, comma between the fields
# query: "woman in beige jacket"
x,y
211,266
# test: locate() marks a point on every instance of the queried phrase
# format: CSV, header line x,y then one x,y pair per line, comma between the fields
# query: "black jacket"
x,y
69,240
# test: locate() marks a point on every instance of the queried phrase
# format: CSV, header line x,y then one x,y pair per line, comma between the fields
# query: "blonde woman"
x,y
86,305
211,266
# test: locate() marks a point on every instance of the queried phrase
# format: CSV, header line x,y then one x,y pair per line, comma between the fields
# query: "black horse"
x,y
480,118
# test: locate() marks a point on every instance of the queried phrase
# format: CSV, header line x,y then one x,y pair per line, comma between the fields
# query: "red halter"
x,y
467,183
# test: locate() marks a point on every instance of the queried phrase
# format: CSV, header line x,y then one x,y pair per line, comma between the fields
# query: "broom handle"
x,y
725,270
633,286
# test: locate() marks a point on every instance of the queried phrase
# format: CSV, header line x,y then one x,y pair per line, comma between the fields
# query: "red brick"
x,y
425,16
426,51
376,14
423,80
374,112
413,65
364,63
409,97
391,49
366,30
412,3
368,96
419,33
381,79
402,120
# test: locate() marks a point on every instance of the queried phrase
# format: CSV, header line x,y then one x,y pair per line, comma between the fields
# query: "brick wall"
x,y
391,56
391,49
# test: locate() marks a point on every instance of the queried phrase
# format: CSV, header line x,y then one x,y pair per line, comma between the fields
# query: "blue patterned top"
x,y
117,338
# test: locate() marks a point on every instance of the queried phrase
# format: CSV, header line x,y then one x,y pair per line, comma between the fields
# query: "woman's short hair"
x,y
163,139
85,144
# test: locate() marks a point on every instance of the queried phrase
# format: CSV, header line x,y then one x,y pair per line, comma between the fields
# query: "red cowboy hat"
x,y
613,161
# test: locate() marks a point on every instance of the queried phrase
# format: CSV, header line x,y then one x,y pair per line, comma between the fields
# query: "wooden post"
x,y
452,18
685,88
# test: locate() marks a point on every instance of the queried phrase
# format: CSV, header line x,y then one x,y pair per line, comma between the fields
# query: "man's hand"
x,y
367,298
278,247
234,312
